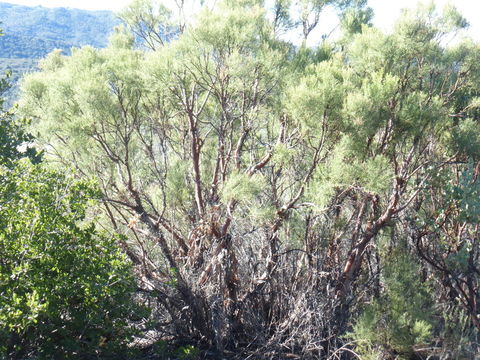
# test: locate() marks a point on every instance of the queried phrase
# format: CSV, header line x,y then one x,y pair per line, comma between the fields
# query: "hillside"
x,y
33,32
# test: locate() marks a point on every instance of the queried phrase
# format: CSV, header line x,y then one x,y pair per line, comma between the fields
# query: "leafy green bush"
x,y
65,290
399,320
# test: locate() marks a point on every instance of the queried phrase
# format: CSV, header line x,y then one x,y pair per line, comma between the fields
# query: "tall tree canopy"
x,y
262,186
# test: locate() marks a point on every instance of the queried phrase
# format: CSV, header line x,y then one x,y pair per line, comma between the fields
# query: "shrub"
x,y
65,289
399,320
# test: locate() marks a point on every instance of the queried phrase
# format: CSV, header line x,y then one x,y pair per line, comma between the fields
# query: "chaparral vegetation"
x,y
237,193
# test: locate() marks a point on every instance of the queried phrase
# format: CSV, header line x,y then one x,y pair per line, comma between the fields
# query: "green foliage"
x,y
355,18
224,29
66,290
188,352
15,141
282,18
458,335
33,32
121,38
249,165
373,175
16,68
242,187
401,318
464,196
166,351
466,138
120,77
150,21
13,135
362,106
319,94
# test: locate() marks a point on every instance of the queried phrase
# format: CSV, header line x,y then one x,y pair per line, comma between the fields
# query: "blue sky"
x,y
386,11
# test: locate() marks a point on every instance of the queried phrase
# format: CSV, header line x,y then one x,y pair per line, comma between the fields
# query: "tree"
x,y
66,290
13,133
250,174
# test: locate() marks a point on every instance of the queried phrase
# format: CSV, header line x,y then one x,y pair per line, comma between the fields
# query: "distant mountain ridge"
x,y
63,27
30,33
20,46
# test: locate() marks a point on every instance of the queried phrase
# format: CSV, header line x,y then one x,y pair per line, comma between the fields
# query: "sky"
x,y
386,11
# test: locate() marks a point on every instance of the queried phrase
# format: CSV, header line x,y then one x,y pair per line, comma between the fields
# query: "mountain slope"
x,y
33,32
73,27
